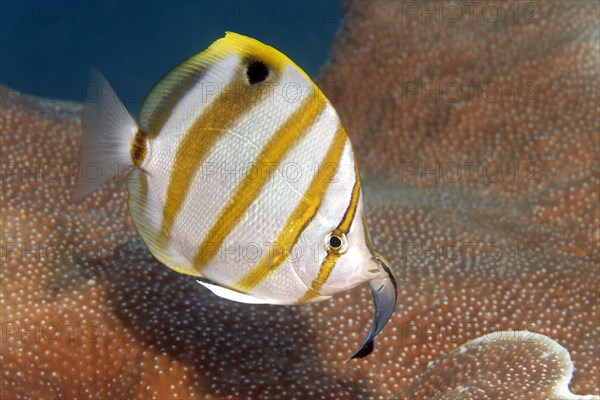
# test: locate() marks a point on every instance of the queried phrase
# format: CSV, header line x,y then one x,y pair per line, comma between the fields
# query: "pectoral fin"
x,y
230,294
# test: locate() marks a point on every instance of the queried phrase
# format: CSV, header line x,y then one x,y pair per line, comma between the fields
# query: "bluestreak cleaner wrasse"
x,y
242,175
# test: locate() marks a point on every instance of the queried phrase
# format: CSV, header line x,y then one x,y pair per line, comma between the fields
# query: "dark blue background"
x,y
47,47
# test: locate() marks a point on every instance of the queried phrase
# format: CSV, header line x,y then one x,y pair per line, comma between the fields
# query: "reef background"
x,y
87,312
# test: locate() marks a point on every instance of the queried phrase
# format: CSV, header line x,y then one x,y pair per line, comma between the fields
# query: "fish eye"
x,y
336,242
257,72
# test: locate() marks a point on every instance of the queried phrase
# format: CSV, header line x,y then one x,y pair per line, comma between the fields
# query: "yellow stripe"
x,y
250,186
344,226
366,233
331,258
158,104
300,217
326,268
233,102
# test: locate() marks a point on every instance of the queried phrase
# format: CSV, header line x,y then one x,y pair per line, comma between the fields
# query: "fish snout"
x,y
385,294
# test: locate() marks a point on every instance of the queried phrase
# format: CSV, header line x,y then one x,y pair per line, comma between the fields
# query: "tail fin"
x,y
108,130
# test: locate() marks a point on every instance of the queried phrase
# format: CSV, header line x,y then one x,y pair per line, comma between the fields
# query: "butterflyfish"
x,y
241,174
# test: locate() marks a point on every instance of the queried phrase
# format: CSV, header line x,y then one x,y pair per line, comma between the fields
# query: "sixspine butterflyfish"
x,y
242,175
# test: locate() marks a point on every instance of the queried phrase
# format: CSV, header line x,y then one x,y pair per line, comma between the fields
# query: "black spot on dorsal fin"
x,y
257,72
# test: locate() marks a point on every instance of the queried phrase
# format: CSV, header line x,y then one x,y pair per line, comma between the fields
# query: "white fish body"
x,y
244,177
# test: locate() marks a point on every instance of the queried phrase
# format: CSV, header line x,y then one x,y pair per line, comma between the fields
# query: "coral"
x,y
87,312
515,365
477,128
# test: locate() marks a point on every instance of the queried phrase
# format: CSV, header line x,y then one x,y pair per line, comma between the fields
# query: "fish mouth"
x,y
385,293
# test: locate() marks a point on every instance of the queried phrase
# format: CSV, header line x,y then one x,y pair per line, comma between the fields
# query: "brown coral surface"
x,y
87,312
477,126
500,365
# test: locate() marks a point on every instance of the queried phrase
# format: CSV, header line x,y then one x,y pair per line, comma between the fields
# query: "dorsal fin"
x,y
165,94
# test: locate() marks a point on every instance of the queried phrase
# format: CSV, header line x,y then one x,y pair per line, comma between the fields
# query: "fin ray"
x,y
108,130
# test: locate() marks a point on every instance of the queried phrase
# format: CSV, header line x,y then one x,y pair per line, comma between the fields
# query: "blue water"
x,y
48,47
